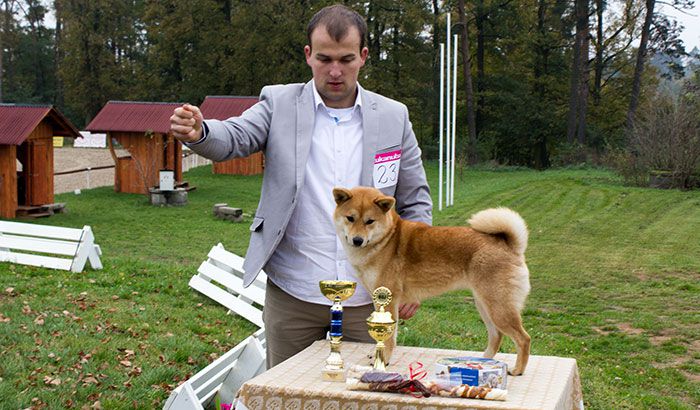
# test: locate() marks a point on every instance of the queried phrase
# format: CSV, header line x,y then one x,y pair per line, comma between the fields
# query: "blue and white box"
x,y
472,371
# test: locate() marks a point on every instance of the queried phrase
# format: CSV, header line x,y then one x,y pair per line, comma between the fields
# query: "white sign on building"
x,y
90,140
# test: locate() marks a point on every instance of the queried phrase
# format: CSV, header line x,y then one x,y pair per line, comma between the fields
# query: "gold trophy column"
x,y
380,325
336,291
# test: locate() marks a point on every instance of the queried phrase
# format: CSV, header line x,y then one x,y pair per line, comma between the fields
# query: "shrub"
x,y
665,137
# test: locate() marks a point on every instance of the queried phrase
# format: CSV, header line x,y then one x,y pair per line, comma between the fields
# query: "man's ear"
x,y
307,54
385,203
341,195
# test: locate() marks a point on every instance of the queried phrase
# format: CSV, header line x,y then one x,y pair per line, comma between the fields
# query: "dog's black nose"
x,y
357,241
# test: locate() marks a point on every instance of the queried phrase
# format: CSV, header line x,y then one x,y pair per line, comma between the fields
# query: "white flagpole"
x,y
442,125
448,117
454,120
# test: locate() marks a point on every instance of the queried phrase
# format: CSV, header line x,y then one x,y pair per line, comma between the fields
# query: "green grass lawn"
x,y
615,275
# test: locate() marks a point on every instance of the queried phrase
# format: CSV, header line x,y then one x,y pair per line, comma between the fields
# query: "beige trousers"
x,y
291,324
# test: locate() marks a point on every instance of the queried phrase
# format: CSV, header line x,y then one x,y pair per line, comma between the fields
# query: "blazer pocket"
x,y
257,224
388,148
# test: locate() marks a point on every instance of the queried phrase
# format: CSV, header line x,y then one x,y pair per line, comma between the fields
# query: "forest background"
x,y
540,83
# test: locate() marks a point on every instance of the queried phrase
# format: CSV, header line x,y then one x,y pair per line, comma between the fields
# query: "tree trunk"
x,y
599,50
541,154
576,74
436,68
639,67
467,72
480,77
58,54
584,72
4,28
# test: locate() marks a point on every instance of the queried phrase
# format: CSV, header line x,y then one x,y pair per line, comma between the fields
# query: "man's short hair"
x,y
338,19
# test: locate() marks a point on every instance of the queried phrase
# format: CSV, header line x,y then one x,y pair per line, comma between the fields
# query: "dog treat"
x,y
386,382
445,389
397,383
472,371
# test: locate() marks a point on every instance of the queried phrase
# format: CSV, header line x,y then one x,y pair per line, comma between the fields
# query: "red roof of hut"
x,y
221,107
133,116
17,121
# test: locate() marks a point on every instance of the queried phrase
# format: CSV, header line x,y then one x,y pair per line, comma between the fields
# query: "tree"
x,y
469,91
103,48
8,28
576,118
639,66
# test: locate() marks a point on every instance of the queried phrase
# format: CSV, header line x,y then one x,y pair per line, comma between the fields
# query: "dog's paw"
x,y
515,372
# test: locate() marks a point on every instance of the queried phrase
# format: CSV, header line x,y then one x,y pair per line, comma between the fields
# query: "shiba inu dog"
x,y
417,261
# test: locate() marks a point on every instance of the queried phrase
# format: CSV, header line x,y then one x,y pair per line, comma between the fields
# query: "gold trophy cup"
x,y
380,325
336,291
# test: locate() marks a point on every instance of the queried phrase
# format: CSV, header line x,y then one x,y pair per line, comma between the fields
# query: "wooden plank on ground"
x,y
36,260
45,231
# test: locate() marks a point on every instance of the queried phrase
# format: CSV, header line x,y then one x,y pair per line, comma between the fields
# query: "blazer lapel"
x,y
370,136
305,127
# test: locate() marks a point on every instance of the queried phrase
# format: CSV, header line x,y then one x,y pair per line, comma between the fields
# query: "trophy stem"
x,y
379,358
336,291
334,362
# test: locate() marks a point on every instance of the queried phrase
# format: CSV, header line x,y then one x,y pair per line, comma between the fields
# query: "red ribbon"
x,y
416,372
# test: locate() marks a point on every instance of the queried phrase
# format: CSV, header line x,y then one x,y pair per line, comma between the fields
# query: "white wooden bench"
x,y
220,277
48,246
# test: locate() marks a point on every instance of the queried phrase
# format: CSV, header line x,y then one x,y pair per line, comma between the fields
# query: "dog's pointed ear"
x,y
341,195
385,203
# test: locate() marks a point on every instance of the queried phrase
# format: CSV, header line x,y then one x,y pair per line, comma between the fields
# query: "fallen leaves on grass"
x,y
4,319
88,380
52,381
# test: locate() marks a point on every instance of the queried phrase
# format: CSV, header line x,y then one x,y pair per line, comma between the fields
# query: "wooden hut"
x,y
26,136
221,108
142,131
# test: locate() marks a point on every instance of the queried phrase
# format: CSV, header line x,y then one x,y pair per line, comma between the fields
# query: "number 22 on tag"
x,y
386,169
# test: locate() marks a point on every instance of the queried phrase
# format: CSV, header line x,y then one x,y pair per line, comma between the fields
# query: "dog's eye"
x,y
350,219
369,221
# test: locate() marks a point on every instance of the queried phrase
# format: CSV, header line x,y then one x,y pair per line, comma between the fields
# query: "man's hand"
x,y
186,123
407,310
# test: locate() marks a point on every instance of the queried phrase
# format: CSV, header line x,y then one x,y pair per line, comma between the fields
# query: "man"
x,y
325,133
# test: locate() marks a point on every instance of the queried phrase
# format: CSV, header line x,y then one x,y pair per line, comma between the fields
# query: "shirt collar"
x,y
318,101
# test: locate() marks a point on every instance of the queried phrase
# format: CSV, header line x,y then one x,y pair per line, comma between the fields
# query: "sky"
x,y
691,21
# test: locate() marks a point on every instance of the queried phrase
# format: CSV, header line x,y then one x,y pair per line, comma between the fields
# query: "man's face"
x,y
335,65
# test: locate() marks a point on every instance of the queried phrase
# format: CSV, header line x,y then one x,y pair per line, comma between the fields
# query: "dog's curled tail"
x,y
503,221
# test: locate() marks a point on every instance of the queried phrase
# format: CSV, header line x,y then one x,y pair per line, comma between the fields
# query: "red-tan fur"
x,y
417,261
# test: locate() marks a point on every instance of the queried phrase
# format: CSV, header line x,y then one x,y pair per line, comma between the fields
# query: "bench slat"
x,y
219,254
231,302
36,260
218,368
44,231
38,245
232,282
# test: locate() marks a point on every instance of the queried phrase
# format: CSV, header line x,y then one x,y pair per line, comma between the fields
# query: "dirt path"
x,y
68,159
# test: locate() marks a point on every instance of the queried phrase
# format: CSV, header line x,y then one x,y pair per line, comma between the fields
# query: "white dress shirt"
x,y
310,250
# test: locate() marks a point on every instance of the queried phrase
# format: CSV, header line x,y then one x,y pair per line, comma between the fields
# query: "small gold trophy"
x,y
336,291
381,325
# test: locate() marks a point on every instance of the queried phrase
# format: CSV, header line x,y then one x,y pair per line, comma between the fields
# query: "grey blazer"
x,y
280,125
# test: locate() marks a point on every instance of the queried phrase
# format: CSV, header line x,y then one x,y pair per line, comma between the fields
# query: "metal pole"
x,y
447,116
88,177
454,122
442,125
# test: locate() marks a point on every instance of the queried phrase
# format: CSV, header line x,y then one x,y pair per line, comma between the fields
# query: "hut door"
x,y
40,172
22,175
